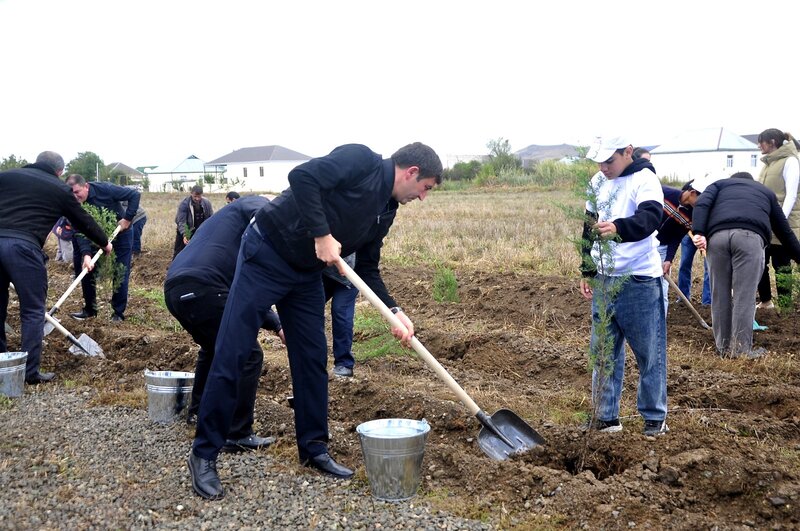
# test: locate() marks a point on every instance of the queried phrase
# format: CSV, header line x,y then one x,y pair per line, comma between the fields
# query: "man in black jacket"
x,y
336,205
195,291
32,199
735,218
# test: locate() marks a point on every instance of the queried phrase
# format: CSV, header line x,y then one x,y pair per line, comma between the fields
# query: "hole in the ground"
x,y
602,463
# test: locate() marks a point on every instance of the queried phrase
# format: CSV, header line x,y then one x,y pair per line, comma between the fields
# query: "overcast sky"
x,y
153,81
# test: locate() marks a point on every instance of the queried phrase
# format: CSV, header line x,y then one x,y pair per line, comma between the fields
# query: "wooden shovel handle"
x,y
418,347
82,274
702,251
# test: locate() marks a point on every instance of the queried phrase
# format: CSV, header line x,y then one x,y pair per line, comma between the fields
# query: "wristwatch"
x,y
396,309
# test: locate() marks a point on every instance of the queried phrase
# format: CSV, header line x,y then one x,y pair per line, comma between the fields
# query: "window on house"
x,y
244,172
753,160
729,162
261,171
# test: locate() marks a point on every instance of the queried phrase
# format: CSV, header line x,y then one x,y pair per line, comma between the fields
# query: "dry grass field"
x,y
515,336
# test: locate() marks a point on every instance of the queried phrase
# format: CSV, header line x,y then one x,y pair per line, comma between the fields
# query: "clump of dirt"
x,y
518,340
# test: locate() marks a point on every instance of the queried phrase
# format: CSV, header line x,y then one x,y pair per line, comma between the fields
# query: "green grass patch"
x,y
372,336
156,295
445,285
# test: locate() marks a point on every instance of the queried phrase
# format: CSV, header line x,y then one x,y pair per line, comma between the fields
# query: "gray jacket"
x,y
185,215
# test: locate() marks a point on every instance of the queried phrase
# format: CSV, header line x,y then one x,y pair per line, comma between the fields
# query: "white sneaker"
x,y
769,305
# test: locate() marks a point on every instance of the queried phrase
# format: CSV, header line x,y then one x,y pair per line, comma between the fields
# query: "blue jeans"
x,y
662,252
262,279
343,309
635,315
685,272
23,263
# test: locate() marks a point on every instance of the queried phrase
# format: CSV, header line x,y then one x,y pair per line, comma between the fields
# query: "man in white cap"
x,y
622,277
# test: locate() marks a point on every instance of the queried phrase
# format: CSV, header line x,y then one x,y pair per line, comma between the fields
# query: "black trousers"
x,y
198,308
179,245
782,262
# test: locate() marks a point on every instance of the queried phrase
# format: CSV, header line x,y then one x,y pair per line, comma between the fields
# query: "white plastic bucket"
x,y
393,450
12,373
168,394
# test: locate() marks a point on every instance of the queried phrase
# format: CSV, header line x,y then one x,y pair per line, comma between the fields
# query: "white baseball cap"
x,y
603,148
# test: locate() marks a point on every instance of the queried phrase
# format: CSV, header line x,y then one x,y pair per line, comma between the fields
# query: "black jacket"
x,y
32,199
347,194
210,258
676,221
737,203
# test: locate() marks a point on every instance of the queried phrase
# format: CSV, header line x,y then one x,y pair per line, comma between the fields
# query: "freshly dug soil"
x,y
516,341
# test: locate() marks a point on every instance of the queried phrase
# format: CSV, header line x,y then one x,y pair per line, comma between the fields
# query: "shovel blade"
x,y
88,347
48,327
522,437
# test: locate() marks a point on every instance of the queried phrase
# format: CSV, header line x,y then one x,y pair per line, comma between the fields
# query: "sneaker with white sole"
x,y
655,427
769,305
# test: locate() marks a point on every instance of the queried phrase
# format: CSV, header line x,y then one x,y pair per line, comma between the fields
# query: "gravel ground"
x,y
66,465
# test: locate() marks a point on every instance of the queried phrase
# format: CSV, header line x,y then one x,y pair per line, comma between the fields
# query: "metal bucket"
x,y
12,373
168,394
393,451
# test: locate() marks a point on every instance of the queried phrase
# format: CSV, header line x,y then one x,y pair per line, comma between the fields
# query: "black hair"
x,y
688,186
197,189
776,137
742,175
232,196
421,156
638,152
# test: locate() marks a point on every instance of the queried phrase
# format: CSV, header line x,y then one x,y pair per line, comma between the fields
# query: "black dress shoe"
x,y
205,480
325,464
82,315
42,377
247,444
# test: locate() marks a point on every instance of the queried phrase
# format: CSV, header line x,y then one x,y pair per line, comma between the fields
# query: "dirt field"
x,y
516,341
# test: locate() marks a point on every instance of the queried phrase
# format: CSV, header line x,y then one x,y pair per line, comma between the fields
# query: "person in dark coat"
x,y
32,201
734,219
192,212
111,197
335,205
195,291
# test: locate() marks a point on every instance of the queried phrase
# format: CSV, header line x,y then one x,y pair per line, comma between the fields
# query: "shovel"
x,y
83,344
48,326
504,433
686,302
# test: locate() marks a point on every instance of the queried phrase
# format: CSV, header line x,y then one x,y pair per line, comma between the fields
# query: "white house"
x,y
257,169
181,176
700,152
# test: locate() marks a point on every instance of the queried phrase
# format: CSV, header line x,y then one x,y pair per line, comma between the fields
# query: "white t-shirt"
x,y
618,198
791,176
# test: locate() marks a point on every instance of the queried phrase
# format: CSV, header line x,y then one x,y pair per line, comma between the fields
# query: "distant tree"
x,y
11,162
462,171
500,156
86,164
